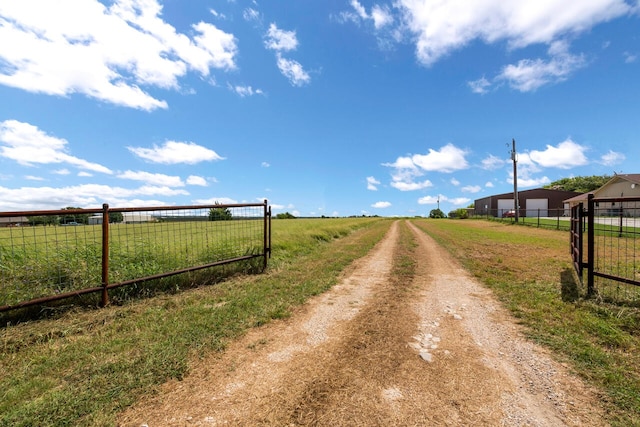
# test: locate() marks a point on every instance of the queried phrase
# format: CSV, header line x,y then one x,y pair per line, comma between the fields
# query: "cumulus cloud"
x,y
471,189
196,180
280,40
407,169
153,178
381,205
440,28
174,152
448,159
113,53
565,155
28,145
86,196
372,183
530,74
284,41
411,186
431,200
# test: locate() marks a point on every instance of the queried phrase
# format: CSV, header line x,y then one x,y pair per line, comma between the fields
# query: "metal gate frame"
x,y
582,219
578,217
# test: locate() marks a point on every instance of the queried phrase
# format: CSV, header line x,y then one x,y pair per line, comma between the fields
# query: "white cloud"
x,y
86,196
33,178
448,159
480,86
216,200
460,201
28,145
431,200
629,57
471,189
293,71
529,75
454,182
411,186
492,163
566,155
153,178
489,184
265,164
372,183
612,158
381,205
173,152
197,180
244,91
251,15
440,28
381,16
63,171
84,174
108,53
280,40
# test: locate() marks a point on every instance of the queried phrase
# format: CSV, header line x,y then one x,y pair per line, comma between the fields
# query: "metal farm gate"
x,y
610,252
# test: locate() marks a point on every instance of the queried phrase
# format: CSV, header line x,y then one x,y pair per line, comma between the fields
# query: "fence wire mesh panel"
x,y
49,255
616,257
147,243
39,259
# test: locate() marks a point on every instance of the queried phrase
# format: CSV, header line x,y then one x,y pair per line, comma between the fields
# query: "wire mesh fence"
x,y
616,249
48,255
556,219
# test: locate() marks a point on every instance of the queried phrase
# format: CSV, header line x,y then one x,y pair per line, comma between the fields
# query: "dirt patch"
x,y
376,350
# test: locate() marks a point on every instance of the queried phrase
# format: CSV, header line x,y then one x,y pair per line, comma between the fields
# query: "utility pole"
x,y
514,157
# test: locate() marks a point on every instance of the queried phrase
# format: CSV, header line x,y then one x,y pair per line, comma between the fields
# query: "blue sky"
x,y
331,108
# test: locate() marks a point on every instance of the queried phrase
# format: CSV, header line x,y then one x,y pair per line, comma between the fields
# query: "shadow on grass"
x,y
569,285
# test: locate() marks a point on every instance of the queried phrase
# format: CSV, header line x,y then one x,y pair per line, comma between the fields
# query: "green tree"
x,y
80,218
461,213
436,213
285,215
219,213
115,217
581,184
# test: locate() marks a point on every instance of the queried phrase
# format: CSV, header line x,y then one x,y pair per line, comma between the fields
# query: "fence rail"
x,y
52,255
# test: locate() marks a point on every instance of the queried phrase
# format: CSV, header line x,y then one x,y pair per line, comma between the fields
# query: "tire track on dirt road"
x,y
431,348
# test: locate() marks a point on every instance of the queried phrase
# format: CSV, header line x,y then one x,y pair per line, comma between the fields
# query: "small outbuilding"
x,y
539,202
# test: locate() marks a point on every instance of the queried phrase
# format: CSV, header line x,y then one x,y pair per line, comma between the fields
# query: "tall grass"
x,y
84,366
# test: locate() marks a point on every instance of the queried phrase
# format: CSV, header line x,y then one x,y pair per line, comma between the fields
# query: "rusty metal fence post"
x,y
105,254
590,244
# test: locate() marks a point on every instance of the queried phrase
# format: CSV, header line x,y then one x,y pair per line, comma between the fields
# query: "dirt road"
x,y
375,351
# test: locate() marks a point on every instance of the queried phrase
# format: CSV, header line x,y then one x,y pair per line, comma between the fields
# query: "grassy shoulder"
x,y
530,271
84,366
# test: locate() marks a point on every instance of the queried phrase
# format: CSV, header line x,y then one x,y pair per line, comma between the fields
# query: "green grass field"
x,y
82,366
47,260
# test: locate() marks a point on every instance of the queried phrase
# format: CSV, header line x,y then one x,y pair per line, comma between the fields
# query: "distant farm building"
x,y
14,221
539,202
